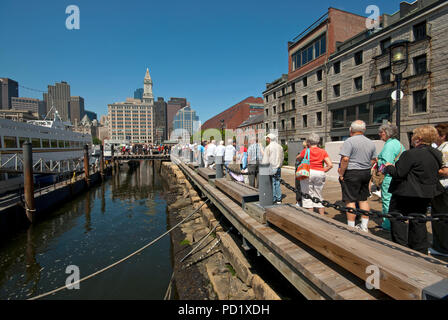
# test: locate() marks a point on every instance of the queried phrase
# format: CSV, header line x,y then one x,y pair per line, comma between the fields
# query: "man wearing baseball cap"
x,y
274,156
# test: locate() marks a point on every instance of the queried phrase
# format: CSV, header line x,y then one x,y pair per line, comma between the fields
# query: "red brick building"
x,y
236,115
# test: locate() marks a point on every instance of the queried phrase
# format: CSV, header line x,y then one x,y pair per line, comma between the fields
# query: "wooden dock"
x,y
322,258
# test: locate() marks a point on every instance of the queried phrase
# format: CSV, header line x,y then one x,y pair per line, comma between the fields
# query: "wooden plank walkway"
x,y
237,191
207,173
315,276
404,273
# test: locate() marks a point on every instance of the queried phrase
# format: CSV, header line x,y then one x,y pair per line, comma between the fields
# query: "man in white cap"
x,y
274,156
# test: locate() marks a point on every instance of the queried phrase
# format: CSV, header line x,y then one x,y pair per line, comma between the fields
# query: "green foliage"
x,y
185,242
231,270
96,141
285,161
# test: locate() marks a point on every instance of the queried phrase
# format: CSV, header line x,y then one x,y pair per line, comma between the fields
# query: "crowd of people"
x,y
145,149
412,181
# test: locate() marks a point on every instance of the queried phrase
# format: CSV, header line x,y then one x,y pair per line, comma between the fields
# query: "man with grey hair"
x,y
229,154
274,156
358,154
254,158
210,153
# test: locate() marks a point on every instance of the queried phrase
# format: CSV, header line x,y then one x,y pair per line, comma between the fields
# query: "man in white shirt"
x,y
211,153
274,156
230,154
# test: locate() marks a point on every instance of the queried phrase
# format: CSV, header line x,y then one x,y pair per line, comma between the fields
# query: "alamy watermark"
x,y
373,280
373,21
72,281
73,20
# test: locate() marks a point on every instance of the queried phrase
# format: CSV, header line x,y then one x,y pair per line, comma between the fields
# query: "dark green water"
x,y
93,231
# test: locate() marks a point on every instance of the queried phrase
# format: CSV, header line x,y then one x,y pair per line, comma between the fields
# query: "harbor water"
x,y
90,232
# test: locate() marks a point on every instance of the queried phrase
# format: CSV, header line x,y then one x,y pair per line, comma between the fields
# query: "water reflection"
x,y
92,231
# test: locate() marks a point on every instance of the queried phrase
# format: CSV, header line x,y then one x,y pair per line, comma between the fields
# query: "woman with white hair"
x,y
391,152
314,185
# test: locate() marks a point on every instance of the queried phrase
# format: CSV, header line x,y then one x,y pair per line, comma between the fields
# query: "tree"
x,y
96,141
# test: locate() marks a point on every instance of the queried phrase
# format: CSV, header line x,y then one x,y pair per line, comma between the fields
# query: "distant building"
x,y
186,120
76,109
234,116
160,129
92,115
131,120
18,115
254,126
148,97
31,104
138,94
59,97
8,89
172,107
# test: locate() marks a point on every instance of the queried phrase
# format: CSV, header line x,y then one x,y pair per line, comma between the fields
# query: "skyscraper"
x,y
138,93
159,120
186,120
8,89
59,97
147,89
76,109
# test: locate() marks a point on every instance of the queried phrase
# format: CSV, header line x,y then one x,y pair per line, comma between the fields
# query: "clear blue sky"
x,y
214,53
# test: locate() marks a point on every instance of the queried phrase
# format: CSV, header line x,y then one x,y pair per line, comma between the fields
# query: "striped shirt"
x,y
254,153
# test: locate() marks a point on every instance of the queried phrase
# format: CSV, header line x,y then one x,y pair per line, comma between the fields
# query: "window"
x,y
22,141
319,75
385,75
419,101
45,143
267,127
350,115
358,83
337,90
293,87
274,125
358,58
283,107
275,95
420,64
314,50
305,121
305,81
293,123
283,124
384,45
319,95
274,110
319,118
10,142
337,67
267,98
293,104
381,111
267,112
283,91
419,31
305,100
338,118
60,144
364,113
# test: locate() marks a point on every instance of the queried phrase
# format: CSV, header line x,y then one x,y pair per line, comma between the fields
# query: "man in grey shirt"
x,y
358,153
254,158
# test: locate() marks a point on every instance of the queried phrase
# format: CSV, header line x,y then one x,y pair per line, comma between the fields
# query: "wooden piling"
x,y
86,164
30,207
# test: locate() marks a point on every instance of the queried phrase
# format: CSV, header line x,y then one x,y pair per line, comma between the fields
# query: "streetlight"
x,y
222,129
398,61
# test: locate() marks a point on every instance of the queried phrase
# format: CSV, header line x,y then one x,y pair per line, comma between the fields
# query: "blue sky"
x,y
214,53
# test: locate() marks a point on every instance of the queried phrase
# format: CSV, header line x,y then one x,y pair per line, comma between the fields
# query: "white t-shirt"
x,y
230,153
211,150
220,150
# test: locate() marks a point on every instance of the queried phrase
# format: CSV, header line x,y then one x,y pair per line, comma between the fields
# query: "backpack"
x,y
303,170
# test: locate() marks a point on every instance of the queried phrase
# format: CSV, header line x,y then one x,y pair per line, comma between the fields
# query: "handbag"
x,y
303,170
378,176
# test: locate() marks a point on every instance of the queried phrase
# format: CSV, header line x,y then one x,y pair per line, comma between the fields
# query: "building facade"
x,y
31,104
187,121
234,116
92,115
172,107
59,97
138,93
148,97
252,127
131,120
76,109
160,129
8,89
351,79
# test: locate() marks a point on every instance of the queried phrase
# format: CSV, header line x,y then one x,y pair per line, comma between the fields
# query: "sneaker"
x,y
298,205
278,202
434,252
377,193
360,228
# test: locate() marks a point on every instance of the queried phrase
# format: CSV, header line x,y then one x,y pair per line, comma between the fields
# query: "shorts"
x,y
355,186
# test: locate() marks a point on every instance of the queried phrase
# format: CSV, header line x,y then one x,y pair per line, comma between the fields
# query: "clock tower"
x,y
147,89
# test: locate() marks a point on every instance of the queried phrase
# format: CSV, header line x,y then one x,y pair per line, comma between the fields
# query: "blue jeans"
x,y
276,190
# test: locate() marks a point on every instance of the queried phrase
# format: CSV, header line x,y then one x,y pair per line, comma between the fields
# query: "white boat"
x,y
50,139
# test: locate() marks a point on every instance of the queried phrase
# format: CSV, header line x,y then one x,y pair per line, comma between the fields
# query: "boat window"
x,y
36,142
10,142
45,143
67,144
60,144
22,141
54,143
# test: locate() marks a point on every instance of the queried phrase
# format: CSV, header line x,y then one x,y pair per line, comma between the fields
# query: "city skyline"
x,y
240,50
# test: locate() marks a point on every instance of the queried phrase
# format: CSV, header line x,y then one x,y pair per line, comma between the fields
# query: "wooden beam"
x,y
236,191
207,173
404,273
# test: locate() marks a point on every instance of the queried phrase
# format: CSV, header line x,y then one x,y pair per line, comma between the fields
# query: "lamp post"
x,y
398,61
222,130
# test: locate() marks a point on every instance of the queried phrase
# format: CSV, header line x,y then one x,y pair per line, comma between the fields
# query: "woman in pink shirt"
x,y
315,183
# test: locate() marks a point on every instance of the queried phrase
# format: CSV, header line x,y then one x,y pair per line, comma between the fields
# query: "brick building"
x,y
295,103
235,115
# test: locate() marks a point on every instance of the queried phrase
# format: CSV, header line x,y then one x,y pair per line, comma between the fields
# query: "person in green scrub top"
x,y
390,154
